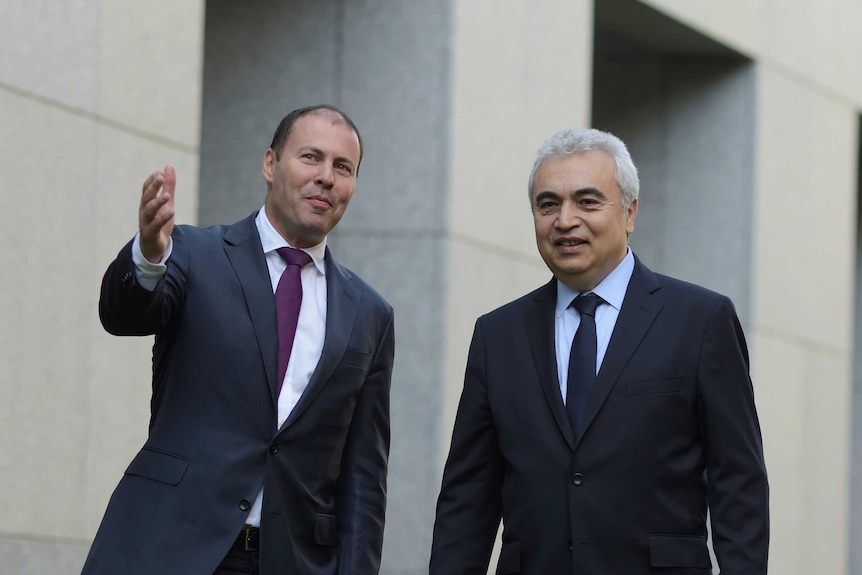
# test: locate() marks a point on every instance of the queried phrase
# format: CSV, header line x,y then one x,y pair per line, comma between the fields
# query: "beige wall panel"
x,y
804,405
819,42
522,71
805,212
778,372
72,398
485,279
803,293
150,69
119,381
46,216
51,49
826,449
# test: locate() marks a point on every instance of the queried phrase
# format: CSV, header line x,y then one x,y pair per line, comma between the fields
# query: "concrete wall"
x,y
93,96
521,71
453,99
803,300
688,122
855,523
809,93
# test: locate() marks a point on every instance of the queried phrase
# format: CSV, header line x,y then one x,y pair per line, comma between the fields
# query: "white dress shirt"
x,y
311,327
612,289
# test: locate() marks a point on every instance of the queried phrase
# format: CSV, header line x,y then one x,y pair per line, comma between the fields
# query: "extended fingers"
x,y
157,219
156,207
152,204
156,212
151,186
169,178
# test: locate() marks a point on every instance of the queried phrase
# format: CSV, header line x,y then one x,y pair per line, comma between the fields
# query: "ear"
x,y
631,214
268,167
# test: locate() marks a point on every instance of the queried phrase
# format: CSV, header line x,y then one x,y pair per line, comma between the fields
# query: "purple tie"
x,y
288,298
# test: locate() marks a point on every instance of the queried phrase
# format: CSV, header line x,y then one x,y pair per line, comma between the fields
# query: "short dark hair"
x,y
282,132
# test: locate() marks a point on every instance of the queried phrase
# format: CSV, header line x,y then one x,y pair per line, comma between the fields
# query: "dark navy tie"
x,y
288,299
582,362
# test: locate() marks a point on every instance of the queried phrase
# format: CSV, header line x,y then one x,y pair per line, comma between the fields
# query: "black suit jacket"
x,y
671,430
213,440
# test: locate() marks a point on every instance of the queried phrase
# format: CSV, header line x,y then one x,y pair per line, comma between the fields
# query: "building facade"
x,y
742,115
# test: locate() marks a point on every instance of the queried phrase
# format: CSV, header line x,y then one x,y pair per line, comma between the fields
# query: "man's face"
x,y
581,229
309,187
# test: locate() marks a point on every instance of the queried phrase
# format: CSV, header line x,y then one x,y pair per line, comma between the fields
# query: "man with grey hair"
x,y
604,413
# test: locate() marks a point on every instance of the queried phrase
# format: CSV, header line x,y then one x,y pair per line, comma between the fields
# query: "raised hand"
x,y
156,213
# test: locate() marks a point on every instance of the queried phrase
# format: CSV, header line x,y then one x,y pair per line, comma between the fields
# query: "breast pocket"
x,y
653,386
159,466
356,358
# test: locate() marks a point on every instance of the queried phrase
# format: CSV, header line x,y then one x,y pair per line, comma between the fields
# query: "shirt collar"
x,y
612,289
271,240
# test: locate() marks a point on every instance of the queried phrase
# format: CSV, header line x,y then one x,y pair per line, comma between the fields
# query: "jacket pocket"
x,y
510,558
679,551
356,358
650,386
325,530
159,466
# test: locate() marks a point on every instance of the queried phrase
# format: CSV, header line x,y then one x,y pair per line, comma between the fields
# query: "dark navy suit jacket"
x,y
213,441
671,431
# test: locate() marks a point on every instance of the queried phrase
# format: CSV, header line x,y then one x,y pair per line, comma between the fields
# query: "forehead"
x,y
324,132
568,174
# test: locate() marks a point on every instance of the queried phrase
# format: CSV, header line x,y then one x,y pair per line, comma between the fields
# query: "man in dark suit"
x,y
602,436
267,453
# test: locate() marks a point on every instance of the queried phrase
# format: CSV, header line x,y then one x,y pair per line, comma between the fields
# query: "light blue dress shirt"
x,y
612,289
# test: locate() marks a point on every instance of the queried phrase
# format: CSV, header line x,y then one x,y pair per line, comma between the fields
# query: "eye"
x,y
589,203
309,157
547,206
345,169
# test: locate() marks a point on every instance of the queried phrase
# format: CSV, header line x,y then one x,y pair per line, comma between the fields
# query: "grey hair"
x,y
581,140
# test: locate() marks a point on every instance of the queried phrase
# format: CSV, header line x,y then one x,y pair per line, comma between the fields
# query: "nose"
x,y
325,176
568,217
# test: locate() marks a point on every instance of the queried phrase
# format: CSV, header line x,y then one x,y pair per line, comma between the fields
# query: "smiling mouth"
x,y
319,200
568,243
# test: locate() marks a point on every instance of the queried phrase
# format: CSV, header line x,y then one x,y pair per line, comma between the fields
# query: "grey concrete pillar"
x,y
386,64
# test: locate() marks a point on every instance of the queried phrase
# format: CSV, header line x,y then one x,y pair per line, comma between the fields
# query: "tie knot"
x,y
586,303
294,257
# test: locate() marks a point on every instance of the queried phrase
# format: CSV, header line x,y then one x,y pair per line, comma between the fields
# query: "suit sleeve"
x,y
361,489
127,308
736,472
469,507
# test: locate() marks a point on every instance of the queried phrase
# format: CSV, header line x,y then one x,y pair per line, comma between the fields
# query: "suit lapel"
x,y
637,314
342,305
540,334
244,250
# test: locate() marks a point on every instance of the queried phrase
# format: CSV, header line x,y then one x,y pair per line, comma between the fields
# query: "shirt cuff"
x,y
148,273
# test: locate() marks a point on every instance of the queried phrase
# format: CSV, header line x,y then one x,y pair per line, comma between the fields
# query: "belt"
x,y
247,540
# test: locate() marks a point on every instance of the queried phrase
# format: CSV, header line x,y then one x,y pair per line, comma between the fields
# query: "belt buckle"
x,y
251,538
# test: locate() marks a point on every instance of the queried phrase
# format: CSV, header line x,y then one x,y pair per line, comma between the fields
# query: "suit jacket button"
x,y
570,546
273,448
244,505
577,479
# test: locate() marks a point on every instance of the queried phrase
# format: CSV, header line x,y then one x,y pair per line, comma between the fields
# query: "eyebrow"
x,y
589,191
